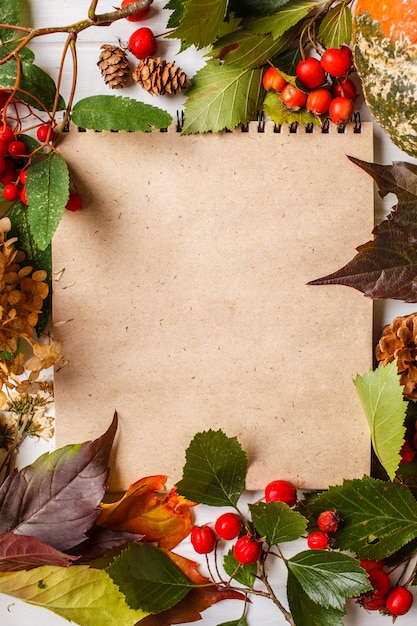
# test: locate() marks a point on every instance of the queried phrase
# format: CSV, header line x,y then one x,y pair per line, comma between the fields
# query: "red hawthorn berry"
x,y
6,133
45,133
2,164
372,603
318,540
318,101
203,539
74,202
399,601
247,550
11,192
336,62
7,176
143,43
24,196
346,50
281,491
370,564
3,147
17,148
23,176
310,73
344,87
140,15
407,452
228,526
341,110
4,96
380,582
273,80
292,97
328,521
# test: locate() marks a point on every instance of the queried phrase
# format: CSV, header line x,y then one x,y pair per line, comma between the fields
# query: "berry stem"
x,y
264,579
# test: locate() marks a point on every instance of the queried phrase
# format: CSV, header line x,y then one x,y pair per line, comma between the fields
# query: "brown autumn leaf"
x,y
147,508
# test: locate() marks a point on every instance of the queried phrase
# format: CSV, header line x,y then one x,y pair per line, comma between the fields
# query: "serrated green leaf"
x,y
47,187
336,26
281,21
305,612
118,113
329,577
243,574
148,578
221,97
277,522
379,517
37,88
9,14
80,594
177,7
215,470
280,114
248,8
25,54
385,408
200,21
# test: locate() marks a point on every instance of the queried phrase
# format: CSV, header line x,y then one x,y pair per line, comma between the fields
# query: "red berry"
x,y
4,96
7,177
407,452
247,550
281,491
336,62
17,148
203,539
344,87
23,176
328,521
341,110
2,164
45,133
318,540
310,73
6,133
346,50
399,601
370,564
142,43
11,191
140,15
372,603
273,80
23,196
292,97
318,101
380,582
228,526
74,202
3,147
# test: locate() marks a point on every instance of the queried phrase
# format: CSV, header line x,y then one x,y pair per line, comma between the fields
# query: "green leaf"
x,y
281,21
280,114
9,14
238,622
118,113
80,594
305,612
336,26
149,579
379,517
37,88
329,577
221,97
177,7
47,187
215,470
25,54
277,522
200,21
247,8
243,574
382,399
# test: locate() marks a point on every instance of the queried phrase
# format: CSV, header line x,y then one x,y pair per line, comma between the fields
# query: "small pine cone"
x,y
114,66
158,77
399,341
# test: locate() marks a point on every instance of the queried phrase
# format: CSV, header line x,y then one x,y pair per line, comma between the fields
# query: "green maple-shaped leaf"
x,y
336,26
214,471
200,21
57,498
382,399
277,522
286,17
386,267
118,113
149,579
280,114
243,574
47,187
305,612
79,593
328,578
379,517
221,97
9,14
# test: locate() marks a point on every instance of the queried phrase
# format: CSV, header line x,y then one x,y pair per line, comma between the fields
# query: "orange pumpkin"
x,y
385,52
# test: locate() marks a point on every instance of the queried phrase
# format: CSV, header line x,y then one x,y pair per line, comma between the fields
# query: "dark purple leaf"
x,y
57,497
102,539
21,552
386,267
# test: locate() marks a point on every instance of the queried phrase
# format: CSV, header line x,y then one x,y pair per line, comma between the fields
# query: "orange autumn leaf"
x,y
147,508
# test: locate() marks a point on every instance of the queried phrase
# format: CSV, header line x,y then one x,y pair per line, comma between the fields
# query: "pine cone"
x,y
114,66
158,77
399,341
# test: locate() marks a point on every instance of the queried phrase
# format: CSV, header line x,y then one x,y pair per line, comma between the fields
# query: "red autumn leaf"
x,y
197,600
148,509
19,552
386,267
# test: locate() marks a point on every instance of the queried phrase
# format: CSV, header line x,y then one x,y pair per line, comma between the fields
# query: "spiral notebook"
x,y
180,297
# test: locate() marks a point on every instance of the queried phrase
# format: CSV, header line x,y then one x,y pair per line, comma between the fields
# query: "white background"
x,y
42,13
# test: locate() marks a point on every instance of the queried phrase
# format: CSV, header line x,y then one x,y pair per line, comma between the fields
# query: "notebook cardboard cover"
x,y
180,299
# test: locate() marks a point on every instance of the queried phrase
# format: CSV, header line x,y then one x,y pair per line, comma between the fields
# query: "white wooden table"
x,y
48,52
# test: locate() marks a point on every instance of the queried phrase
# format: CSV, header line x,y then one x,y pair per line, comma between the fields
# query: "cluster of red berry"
x,y
384,597
322,85
142,42
327,522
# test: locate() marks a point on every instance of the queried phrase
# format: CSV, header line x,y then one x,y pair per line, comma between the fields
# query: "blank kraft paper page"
x,y
180,297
